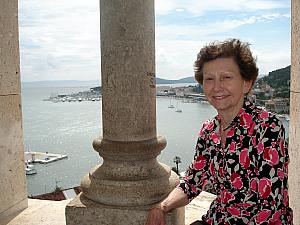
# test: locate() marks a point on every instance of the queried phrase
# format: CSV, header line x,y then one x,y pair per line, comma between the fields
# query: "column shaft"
x,y
130,180
13,191
128,69
294,125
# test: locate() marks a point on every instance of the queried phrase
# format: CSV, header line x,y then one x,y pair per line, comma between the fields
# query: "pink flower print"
x,y
254,141
209,125
201,133
236,181
274,158
232,147
193,189
221,172
233,211
212,169
260,147
280,174
200,162
253,184
266,154
282,148
271,155
226,196
247,119
250,132
275,218
264,187
285,197
230,132
264,115
262,216
244,158
215,137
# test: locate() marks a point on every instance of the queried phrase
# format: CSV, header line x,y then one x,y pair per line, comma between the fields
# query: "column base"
x,y
82,211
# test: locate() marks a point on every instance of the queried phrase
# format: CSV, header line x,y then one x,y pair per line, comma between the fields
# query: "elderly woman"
x,y
241,152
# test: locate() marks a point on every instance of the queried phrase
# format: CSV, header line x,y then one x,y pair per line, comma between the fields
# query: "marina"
x,y
70,128
42,157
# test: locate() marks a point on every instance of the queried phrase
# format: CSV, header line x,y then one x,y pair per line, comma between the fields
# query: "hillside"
x,y
182,80
279,80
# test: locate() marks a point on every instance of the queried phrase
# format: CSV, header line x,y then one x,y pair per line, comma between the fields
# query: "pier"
x,y
42,157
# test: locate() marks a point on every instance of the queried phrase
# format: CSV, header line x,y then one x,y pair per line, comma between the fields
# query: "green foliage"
x,y
280,81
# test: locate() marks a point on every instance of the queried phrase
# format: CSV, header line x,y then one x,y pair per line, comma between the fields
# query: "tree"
x,y
177,160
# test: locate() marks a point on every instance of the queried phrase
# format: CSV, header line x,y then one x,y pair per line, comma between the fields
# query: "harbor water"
x,y
69,128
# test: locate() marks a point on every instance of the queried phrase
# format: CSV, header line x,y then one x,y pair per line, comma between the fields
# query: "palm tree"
x,y
177,160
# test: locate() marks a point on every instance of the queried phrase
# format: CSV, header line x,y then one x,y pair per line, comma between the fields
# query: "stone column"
x,y
13,191
294,126
130,180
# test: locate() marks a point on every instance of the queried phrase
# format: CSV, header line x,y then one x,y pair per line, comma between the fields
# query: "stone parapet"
x,y
94,213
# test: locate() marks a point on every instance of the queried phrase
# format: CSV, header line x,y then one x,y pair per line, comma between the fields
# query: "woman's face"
x,y
224,86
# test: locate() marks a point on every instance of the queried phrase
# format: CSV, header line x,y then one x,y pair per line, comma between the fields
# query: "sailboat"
x,y
178,109
171,106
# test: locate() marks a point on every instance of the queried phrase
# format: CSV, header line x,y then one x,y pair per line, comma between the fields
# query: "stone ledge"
x,y
44,212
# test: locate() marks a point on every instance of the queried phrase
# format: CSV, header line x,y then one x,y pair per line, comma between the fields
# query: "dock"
x,y
42,157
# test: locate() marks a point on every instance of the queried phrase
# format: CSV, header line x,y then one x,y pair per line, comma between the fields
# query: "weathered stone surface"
x,y
129,192
41,212
13,189
128,69
294,125
198,207
95,213
130,180
13,192
9,48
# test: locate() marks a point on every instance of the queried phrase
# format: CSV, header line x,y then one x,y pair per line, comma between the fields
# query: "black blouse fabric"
x,y
249,174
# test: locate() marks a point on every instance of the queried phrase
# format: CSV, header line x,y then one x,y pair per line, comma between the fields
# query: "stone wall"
x,y
13,192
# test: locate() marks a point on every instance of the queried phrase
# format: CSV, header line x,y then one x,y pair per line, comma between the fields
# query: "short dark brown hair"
x,y
234,48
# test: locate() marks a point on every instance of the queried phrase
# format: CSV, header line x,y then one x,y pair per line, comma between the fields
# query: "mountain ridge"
x,y
275,79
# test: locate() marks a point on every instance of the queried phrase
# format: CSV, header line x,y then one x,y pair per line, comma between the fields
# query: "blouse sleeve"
x,y
272,171
197,173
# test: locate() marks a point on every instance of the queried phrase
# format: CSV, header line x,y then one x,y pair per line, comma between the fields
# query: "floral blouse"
x,y
249,174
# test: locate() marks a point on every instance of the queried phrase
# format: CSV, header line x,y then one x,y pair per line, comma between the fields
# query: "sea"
x,y
69,128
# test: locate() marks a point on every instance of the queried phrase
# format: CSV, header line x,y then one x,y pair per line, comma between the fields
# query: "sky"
x,y
60,39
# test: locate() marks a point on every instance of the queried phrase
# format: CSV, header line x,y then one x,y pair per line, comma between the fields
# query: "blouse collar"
x,y
246,108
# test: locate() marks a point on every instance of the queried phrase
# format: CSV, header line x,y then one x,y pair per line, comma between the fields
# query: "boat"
x,y
178,109
30,170
171,106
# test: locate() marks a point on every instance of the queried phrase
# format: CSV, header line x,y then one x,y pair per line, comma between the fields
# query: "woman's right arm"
x,y
156,216
189,188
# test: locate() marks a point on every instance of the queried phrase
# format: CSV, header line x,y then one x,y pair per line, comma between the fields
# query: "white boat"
x,y
178,109
30,170
171,106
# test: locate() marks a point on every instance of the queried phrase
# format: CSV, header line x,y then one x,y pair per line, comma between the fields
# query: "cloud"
x,y
200,7
59,37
